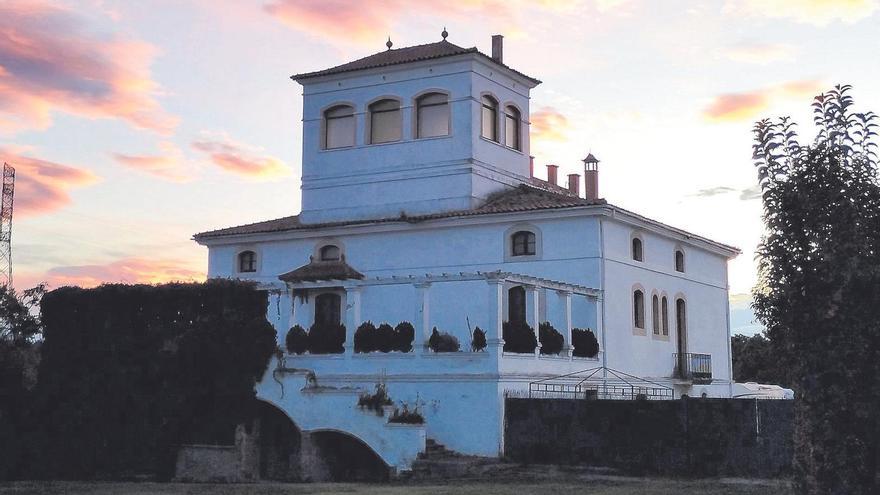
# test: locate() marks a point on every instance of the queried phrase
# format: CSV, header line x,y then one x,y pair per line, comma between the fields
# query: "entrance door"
x,y
328,309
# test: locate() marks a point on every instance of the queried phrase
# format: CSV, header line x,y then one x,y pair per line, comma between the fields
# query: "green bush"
x,y
404,333
327,338
376,401
518,337
443,342
384,338
297,341
364,337
478,340
585,343
551,340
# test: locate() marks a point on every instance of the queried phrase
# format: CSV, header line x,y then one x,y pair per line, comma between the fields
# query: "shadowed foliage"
x,y
818,294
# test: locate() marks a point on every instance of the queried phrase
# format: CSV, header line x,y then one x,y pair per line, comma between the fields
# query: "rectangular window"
x,y
489,131
433,120
339,132
385,126
511,132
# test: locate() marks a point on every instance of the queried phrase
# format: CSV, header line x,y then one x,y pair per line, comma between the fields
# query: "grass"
x,y
604,486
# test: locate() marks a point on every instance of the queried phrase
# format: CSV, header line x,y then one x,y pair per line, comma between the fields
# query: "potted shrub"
x,y
377,401
551,340
404,333
478,340
443,342
297,340
518,337
584,342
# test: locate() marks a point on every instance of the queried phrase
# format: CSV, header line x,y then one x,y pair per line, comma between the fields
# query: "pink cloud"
x,y
548,124
127,270
50,61
42,186
170,164
239,159
732,107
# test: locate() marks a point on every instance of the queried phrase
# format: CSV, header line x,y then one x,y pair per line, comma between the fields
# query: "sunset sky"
x,y
133,125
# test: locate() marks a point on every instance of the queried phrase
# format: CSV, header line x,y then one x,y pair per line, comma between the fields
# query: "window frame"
x,y
530,241
491,106
656,329
513,113
510,306
637,310
324,248
325,125
372,112
418,105
664,315
679,253
254,262
634,253
508,243
337,298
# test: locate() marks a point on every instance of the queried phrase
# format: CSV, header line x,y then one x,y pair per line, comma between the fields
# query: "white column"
x,y
565,319
495,307
352,316
533,316
299,309
422,321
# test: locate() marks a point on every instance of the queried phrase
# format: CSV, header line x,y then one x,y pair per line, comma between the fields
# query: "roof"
x,y
397,56
521,198
322,270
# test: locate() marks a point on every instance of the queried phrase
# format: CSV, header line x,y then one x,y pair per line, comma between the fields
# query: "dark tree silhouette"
x,y
754,360
818,292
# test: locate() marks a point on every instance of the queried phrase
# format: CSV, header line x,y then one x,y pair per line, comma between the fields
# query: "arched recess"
x,y
280,445
345,457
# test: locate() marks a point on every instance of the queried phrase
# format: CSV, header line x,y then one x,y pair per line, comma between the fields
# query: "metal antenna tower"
x,y
6,225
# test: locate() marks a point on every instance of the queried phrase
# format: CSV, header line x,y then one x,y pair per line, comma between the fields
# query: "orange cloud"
x,y
49,61
816,12
547,124
42,186
169,165
238,159
127,270
760,53
371,21
749,105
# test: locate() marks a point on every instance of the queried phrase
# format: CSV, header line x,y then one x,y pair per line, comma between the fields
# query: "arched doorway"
x,y
346,458
280,445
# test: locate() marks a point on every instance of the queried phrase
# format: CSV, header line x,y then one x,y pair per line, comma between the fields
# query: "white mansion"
x,y
419,205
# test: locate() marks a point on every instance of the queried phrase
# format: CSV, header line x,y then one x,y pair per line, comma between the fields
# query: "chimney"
x,y
551,173
574,184
591,177
531,166
498,48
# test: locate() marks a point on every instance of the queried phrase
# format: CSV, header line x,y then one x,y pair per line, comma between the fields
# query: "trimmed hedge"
x,y
129,372
297,341
519,337
384,338
584,342
326,338
551,340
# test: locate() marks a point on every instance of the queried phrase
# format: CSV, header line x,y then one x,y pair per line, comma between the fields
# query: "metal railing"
x,y
693,366
599,383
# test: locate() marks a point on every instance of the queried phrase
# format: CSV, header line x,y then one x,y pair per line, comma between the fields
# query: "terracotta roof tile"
x,y
404,55
522,198
322,270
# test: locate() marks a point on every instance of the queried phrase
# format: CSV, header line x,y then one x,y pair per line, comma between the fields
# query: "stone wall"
x,y
689,437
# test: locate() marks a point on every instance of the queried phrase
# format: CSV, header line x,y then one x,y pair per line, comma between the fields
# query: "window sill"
x,y
655,336
389,143
640,331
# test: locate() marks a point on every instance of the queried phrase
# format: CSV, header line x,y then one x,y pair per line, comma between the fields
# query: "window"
x,y
639,309
247,261
637,249
490,118
327,309
679,260
681,325
512,128
665,315
385,123
516,304
339,127
655,315
432,115
523,243
330,253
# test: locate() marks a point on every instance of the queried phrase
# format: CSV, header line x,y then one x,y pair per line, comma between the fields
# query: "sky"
x,y
133,125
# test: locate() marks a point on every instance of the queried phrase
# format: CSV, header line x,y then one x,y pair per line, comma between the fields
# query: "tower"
x,y
591,177
6,224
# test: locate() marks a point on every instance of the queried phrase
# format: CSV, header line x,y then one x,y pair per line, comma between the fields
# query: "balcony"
x,y
696,368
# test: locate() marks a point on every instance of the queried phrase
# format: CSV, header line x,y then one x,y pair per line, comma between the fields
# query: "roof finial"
x,y
444,34
389,44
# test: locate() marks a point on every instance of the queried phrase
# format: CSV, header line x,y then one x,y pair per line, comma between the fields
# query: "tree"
x,y
818,293
755,361
19,316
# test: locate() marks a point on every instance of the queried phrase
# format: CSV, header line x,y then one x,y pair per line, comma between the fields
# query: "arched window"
x,y
639,309
681,325
516,304
339,127
655,315
247,261
327,309
665,315
512,128
679,260
637,249
432,115
385,123
330,252
522,243
489,118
